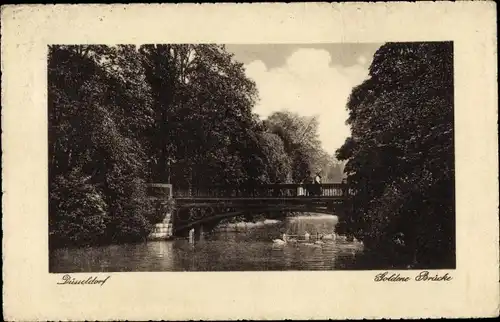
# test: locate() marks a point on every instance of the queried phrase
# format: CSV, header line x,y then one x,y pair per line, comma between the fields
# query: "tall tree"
x,y
205,131
97,110
277,161
301,142
400,155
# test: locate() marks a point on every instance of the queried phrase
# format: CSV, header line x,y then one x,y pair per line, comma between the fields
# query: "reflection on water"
x,y
250,250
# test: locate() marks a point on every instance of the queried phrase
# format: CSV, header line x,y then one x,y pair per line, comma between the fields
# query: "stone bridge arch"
x,y
193,217
206,206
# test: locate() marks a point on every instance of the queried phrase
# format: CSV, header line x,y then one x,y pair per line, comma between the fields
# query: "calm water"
x,y
251,249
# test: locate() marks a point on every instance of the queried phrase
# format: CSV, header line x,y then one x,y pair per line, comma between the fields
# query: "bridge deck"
x,y
250,203
263,192
181,198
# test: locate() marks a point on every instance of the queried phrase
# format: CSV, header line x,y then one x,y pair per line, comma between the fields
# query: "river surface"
x,y
250,249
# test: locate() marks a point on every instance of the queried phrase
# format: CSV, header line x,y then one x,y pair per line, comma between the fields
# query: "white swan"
x,y
280,241
319,242
328,237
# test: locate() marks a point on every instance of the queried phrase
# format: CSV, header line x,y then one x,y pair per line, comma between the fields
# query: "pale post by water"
x,y
309,161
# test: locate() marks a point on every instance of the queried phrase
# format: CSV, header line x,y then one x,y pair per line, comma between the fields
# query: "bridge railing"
x,y
266,190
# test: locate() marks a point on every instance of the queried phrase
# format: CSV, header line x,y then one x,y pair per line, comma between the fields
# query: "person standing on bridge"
x,y
300,189
317,182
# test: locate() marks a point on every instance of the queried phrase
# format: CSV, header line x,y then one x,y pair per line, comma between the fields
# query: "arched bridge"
x,y
207,205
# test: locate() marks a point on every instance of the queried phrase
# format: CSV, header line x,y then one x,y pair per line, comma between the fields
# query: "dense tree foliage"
x,y
301,145
277,161
400,155
98,109
204,130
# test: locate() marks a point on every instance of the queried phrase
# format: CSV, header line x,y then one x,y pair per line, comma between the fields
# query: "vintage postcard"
x,y
250,161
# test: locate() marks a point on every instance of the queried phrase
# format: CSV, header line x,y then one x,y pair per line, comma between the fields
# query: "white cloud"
x,y
361,60
308,85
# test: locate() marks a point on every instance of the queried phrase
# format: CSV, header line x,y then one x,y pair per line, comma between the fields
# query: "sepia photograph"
x,y
300,161
210,157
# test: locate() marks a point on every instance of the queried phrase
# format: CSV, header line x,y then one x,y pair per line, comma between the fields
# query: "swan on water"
x,y
319,242
328,237
280,241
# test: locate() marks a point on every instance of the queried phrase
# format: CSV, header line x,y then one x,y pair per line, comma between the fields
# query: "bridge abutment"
x,y
165,229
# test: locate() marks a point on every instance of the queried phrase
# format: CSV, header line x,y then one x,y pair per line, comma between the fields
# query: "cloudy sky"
x,y
309,80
